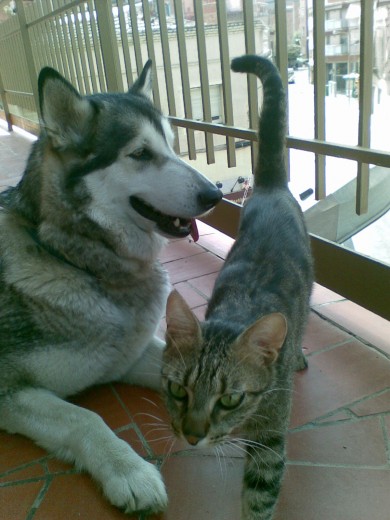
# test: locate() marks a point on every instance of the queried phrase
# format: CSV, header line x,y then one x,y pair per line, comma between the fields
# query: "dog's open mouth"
x,y
170,225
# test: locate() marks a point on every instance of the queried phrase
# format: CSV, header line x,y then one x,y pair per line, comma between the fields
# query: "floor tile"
x,y
318,493
191,294
361,322
374,405
102,401
216,243
200,312
321,295
16,501
205,284
194,266
320,334
204,229
147,410
179,249
16,450
202,489
340,443
136,440
30,472
55,466
386,422
342,415
338,377
75,497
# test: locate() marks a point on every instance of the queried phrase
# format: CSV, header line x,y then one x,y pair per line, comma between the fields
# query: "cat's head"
x,y
212,379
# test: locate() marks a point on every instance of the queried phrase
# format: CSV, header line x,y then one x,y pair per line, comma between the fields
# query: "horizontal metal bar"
x,y
17,93
214,128
54,13
357,153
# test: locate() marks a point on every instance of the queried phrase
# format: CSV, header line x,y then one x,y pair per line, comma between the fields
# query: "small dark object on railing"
x,y
306,194
219,184
240,180
242,144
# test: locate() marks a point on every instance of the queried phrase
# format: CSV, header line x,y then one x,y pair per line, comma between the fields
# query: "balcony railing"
x,y
101,45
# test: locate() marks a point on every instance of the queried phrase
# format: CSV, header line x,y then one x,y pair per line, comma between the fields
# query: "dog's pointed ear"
x,y
65,114
144,83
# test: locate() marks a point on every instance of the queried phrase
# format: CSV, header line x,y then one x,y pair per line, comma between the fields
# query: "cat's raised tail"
x,y
270,168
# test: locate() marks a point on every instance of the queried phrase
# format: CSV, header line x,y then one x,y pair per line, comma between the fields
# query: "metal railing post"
x,y
365,102
109,46
3,97
26,41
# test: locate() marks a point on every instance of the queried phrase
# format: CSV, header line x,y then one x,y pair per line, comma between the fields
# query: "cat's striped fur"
x,y
230,377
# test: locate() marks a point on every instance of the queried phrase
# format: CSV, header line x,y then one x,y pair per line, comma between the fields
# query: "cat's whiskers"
x,y
153,430
138,414
258,445
220,456
289,390
167,455
159,439
238,447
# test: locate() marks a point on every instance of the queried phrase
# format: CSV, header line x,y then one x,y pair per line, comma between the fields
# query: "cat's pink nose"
x,y
193,439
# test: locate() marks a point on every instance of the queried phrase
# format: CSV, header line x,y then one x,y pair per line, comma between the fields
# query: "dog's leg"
x,y
78,435
147,370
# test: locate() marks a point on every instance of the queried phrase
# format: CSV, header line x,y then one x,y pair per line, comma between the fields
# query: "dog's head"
x,y
112,155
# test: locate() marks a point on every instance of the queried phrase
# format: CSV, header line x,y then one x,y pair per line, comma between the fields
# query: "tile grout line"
x,y
383,467
365,342
386,437
134,425
41,461
328,348
39,499
184,258
315,423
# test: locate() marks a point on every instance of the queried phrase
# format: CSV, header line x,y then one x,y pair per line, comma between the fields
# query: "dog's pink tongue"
x,y
194,230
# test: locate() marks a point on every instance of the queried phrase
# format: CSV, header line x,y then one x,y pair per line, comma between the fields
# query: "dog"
x,y
81,288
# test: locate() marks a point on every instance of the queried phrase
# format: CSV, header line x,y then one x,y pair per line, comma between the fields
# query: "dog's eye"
x,y
141,154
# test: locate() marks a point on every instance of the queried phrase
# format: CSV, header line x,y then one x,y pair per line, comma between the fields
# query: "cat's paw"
x,y
136,486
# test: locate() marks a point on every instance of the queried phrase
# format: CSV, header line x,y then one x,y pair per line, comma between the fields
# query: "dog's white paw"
x,y
135,486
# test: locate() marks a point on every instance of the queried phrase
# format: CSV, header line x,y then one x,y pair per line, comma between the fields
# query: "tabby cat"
x,y
228,380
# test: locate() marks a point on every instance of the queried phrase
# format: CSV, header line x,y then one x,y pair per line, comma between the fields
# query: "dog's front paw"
x,y
136,486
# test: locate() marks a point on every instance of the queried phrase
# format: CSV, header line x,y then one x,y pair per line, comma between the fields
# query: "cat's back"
x,y
269,267
272,226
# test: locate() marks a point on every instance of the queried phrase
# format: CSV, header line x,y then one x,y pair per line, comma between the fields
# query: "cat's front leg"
x,y
80,436
263,476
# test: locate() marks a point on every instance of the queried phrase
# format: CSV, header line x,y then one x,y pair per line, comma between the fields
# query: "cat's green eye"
x,y
177,391
230,401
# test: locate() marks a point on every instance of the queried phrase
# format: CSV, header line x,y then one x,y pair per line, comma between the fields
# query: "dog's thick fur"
x,y
81,289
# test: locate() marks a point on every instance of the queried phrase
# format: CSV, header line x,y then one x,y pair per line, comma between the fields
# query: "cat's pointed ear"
x,y
66,115
143,85
266,336
182,324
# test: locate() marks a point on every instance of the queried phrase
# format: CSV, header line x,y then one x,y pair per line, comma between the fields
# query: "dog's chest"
x,y
102,331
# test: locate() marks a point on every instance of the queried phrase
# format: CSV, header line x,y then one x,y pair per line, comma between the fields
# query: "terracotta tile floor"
x,y
338,446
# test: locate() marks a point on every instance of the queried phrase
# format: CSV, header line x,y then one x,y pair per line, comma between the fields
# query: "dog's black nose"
x,y
210,197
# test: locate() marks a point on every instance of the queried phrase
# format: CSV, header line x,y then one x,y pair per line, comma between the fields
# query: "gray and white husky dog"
x,y
81,289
